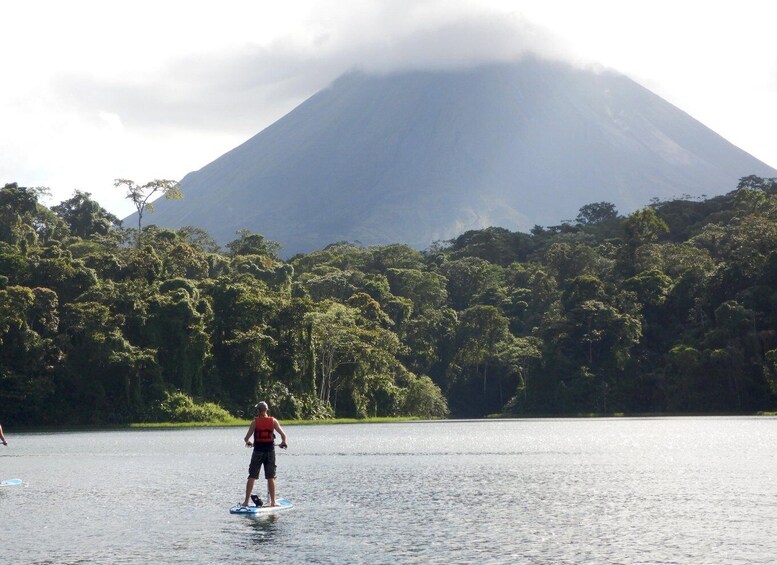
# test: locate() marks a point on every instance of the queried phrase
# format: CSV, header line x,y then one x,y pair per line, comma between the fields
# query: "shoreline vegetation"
x,y
671,309
229,423
411,419
241,423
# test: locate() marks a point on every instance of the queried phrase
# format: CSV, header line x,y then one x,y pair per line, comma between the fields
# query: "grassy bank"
x,y
240,422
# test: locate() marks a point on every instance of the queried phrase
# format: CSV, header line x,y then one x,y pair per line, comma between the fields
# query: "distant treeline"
x,y
670,309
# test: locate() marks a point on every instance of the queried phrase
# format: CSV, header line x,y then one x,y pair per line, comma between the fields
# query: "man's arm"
x,y
277,427
250,434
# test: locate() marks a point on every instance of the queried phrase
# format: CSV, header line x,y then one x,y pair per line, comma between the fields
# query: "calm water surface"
x,y
674,490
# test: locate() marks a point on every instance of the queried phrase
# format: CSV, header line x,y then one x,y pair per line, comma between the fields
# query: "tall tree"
x,y
481,332
140,195
597,213
84,216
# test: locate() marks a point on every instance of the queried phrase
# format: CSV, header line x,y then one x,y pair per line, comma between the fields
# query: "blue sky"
x,y
97,90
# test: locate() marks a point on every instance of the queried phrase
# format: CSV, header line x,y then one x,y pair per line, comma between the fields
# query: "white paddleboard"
x,y
283,504
10,482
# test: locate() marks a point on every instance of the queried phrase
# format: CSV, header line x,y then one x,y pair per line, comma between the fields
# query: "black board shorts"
x,y
259,458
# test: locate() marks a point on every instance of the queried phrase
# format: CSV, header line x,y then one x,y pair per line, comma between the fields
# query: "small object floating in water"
x,y
10,482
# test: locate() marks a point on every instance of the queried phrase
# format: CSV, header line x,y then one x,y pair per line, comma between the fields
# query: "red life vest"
x,y
263,429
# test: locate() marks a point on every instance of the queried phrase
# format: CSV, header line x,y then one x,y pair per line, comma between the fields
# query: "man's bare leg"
x,y
271,491
249,490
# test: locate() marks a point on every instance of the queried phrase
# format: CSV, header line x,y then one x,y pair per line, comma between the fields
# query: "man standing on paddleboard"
x,y
262,431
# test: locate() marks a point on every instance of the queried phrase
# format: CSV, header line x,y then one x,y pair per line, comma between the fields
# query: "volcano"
x,y
421,156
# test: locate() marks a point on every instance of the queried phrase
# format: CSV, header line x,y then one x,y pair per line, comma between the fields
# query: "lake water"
x,y
658,490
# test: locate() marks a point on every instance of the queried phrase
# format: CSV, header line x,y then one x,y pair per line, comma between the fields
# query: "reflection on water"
x,y
674,490
257,529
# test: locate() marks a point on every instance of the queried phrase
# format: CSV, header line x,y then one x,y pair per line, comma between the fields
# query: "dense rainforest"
x,y
670,309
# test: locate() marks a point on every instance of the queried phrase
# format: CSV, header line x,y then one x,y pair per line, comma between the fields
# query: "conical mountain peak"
x,y
420,156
